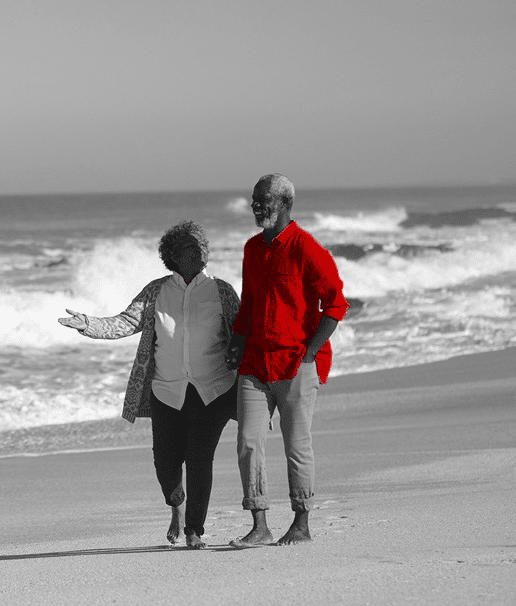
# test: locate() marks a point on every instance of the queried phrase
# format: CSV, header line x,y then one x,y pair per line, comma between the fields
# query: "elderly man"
x,y
291,303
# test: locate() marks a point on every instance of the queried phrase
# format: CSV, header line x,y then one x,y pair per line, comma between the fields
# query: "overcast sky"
x,y
144,95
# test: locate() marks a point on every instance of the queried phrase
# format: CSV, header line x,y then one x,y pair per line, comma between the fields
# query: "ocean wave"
x,y
510,207
489,302
52,262
25,407
104,281
396,219
381,273
353,252
238,205
54,375
459,218
33,257
402,329
388,220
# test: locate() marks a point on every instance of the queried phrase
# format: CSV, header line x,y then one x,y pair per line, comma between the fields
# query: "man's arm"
x,y
323,277
324,331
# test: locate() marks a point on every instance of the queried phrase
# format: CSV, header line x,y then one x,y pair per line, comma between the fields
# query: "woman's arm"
x,y
77,321
126,323
241,322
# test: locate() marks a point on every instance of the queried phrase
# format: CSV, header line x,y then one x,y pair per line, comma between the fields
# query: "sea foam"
x,y
379,274
387,220
105,280
238,205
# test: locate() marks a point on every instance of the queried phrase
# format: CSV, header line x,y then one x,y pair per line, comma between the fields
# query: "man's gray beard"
x,y
268,222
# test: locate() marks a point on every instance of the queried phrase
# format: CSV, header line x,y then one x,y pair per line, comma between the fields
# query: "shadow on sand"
x,y
111,551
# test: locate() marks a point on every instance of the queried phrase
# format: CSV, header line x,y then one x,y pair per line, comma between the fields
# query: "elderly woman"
x,y
179,377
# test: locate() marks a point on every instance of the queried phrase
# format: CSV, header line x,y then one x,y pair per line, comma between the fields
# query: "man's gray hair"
x,y
280,187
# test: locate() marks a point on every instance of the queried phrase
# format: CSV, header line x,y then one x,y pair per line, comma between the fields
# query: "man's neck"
x,y
270,233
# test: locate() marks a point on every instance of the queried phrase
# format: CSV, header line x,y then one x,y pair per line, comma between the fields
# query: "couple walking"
x,y
196,334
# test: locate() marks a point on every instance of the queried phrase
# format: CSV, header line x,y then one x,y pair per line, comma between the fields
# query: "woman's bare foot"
x,y
175,531
194,542
298,531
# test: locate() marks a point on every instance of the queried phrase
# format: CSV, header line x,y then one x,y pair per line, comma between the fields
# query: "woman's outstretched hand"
x,y
77,320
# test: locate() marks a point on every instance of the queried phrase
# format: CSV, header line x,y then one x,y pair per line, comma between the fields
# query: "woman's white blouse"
x,y
189,343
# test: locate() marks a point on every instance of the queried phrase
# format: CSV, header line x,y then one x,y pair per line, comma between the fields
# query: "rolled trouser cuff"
x,y
301,504
197,531
176,498
250,503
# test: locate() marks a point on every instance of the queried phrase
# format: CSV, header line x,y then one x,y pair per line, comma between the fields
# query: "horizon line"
x,y
236,190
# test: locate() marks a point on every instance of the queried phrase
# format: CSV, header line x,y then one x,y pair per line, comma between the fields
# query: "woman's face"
x,y
190,255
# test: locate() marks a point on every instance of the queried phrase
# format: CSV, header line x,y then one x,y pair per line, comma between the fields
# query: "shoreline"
x,y
466,368
414,501
116,433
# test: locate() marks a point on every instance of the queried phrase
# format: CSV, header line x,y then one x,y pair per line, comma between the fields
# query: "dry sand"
x,y
416,489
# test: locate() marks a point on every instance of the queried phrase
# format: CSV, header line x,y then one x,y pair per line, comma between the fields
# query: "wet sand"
x,y
416,485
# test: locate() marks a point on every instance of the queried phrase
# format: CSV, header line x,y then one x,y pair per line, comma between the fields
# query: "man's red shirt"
x,y
286,288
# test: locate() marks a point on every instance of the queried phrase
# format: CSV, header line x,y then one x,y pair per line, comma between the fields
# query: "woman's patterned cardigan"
x,y
139,316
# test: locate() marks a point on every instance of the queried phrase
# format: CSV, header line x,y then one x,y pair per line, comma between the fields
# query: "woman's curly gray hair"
x,y
173,239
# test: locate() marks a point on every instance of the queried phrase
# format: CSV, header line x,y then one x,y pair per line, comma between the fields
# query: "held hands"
x,y
235,351
77,320
234,356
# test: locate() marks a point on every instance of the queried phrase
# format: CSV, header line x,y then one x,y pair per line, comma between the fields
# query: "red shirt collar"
x,y
284,234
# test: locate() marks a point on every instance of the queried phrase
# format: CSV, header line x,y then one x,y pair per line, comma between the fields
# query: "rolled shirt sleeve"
x,y
323,277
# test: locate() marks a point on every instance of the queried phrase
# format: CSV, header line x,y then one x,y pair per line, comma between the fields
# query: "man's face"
x,y
265,207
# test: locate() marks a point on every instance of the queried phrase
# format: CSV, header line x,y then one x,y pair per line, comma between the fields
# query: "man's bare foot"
x,y
194,542
175,531
298,531
295,535
257,536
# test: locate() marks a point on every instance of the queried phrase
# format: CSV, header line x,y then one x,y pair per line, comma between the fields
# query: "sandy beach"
x,y
416,485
